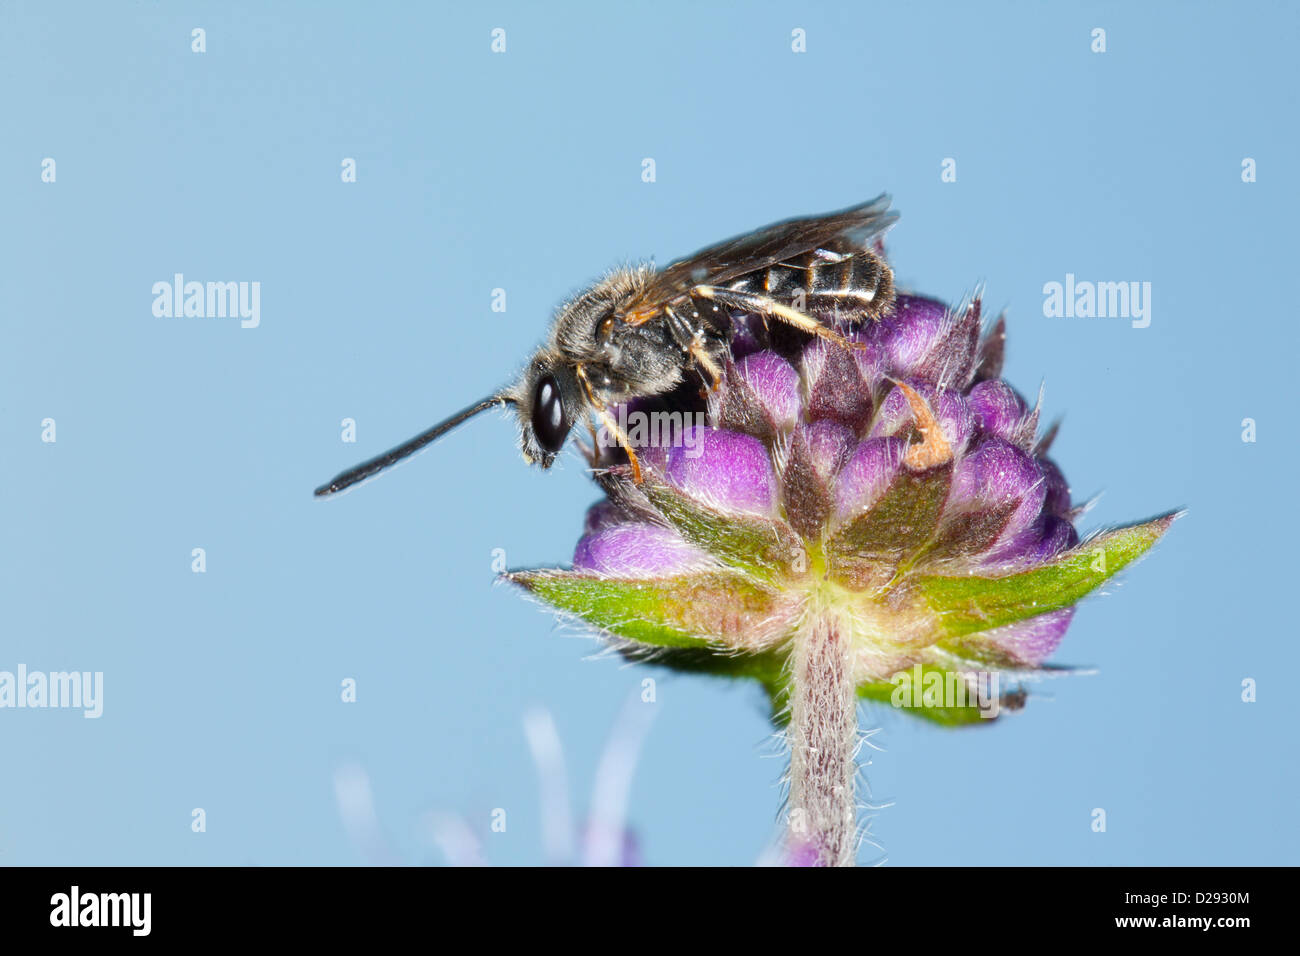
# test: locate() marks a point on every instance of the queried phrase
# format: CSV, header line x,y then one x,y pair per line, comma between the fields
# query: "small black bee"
x,y
639,331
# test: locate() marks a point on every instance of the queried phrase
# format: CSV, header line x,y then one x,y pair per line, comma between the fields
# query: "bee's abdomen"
x,y
827,281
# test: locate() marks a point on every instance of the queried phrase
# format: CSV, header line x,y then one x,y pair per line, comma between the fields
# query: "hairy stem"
x,y
823,736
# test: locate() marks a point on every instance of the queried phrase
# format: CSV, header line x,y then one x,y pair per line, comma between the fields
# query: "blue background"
x,y
523,171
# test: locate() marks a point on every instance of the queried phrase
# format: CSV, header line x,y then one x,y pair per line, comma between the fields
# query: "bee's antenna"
x,y
368,469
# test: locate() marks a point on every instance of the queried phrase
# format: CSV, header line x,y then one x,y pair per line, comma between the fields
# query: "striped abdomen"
x,y
822,281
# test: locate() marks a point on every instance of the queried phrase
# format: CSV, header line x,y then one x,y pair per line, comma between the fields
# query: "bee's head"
x,y
550,401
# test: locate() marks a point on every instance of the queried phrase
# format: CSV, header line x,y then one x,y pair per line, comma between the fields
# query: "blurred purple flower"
x,y
604,839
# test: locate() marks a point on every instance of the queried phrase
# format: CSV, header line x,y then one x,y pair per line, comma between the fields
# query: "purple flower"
x,y
900,485
727,470
876,521
633,549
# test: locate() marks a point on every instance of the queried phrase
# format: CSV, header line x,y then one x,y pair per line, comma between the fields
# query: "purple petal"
x,y
950,408
1046,537
637,550
1058,489
746,336
998,409
873,360
1033,641
952,359
868,475
603,514
911,331
997,474
829,445
775,384
725,469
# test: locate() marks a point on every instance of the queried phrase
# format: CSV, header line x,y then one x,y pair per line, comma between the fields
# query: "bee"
x,y
640,332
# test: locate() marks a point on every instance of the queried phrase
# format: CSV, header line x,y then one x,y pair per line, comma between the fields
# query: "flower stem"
x,y
823,736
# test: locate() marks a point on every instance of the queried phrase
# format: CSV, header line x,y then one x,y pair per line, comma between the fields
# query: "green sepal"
x,y
695,610
903,520
866,552
969,603
761,546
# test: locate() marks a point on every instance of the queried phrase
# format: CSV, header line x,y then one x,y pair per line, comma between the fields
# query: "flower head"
x,y
900,486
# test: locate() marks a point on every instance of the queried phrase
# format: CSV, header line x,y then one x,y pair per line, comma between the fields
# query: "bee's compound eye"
x,y
550,423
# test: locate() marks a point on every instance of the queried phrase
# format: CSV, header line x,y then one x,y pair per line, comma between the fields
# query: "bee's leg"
x,y
609,421
691,341
592,454
766,306
706,364
681,330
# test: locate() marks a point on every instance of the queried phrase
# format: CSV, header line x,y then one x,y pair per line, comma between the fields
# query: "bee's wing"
x,y
848,229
